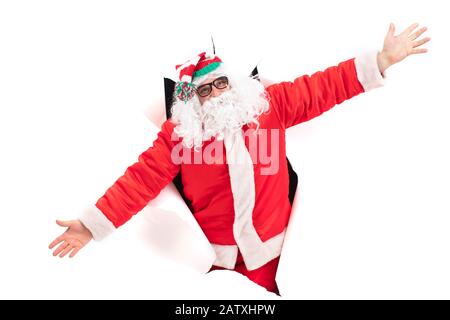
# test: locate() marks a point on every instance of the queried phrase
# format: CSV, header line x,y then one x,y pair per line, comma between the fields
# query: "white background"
x,y
77,77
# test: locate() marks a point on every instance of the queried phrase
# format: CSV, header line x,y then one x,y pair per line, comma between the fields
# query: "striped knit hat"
x,y
194,72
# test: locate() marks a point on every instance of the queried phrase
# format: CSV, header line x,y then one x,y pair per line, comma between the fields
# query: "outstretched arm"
x,y
309,96
140,183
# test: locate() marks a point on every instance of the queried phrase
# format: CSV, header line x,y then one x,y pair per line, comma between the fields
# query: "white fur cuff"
x,y
97,223
368,72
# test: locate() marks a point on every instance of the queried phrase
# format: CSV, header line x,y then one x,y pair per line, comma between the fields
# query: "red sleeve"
x,y
309,96
142,181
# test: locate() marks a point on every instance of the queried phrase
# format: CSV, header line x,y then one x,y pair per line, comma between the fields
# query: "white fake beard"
x,y
242,104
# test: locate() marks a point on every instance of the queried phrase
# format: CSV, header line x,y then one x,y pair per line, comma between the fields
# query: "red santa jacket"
x,y
208,186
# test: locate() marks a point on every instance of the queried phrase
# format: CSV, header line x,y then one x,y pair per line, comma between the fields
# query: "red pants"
x,y
263,276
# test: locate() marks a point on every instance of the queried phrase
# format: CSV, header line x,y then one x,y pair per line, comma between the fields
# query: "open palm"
x,y
72,240
397,48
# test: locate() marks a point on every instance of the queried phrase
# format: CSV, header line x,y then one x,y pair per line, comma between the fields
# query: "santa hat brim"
x,y
219,71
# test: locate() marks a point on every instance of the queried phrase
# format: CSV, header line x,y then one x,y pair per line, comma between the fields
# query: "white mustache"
x,y
224,98
225,112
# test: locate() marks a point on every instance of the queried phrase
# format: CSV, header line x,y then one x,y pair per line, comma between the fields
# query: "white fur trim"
x,y
220,71
240,168
97,223
368,72
226,255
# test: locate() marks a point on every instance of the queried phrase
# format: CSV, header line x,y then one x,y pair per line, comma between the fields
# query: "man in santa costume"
x,y
237,194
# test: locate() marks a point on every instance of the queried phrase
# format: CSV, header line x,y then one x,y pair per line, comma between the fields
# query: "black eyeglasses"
x,y
205,89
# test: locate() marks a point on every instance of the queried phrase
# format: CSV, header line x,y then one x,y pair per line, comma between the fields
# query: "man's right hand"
x,y
73,239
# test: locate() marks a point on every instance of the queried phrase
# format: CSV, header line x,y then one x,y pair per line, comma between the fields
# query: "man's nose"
x,y
215,92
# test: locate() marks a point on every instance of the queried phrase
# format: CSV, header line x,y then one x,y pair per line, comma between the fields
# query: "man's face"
x,y
212,87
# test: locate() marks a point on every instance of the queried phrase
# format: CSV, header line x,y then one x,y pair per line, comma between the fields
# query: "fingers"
x,y
410,29
66,223
74,252
418,51
416,34
66,247
420,42
66,251
391,31
60,248
56,241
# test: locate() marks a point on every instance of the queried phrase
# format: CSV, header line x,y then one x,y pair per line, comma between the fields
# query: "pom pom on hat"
x,y
184,90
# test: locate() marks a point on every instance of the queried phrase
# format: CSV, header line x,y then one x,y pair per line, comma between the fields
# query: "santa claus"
x,y
225,140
